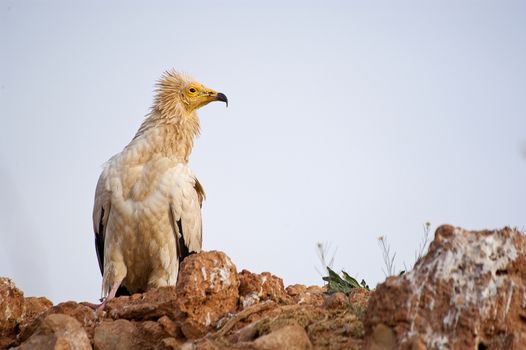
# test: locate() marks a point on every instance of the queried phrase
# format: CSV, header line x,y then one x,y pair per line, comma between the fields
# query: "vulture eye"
x,y
192,90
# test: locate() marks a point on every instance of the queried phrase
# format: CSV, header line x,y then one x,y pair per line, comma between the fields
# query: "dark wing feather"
x,y
200,192
187,239
182,248
101,213
99,243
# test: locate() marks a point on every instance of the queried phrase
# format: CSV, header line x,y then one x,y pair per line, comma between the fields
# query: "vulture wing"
x,y
185,209
101,213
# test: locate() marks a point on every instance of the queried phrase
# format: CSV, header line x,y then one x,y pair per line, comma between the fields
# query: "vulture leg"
x,y
110,296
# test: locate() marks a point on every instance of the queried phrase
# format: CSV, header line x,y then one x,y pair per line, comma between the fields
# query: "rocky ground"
x,y
467,292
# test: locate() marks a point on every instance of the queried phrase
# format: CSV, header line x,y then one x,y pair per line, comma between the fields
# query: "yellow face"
x,y
197,95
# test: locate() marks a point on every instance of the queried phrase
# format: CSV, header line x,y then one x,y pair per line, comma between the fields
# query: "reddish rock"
x,y
81,313
11,306
359,299
115,335
276,318
467,292
207,289
336,301
58,331
124,334
16,311
170,327
295,290
254,288
204,312
205,344
341,326
339,330
33,307
291,337
171,344
316,289
150,305
301,294
152,332
383,338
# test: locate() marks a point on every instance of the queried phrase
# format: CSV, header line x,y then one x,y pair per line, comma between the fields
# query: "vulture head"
x,y
176,91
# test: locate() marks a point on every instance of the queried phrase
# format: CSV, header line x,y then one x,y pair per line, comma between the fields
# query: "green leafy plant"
x,y
344,283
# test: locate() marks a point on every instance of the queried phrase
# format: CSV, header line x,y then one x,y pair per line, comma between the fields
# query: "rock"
x,y
292,337
81,313
11,306
467,292
150,305
11,311
116,335
383,338
206,344
124,334
255,287
203,312
359,299
336,301
151,332
171,344
16,311
34,311
296,289
170,327
283,316
59,332
341,328
301,294
207,289
33,307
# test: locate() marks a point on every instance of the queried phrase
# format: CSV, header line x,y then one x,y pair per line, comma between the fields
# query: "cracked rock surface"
x,y
467,292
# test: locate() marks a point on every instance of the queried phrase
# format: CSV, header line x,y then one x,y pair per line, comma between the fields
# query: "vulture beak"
x,y
222,97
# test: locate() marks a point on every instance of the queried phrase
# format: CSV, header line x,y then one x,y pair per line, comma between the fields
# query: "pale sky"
x,y
347,120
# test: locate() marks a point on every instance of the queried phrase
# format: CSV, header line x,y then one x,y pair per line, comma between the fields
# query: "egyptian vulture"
x,y
147,212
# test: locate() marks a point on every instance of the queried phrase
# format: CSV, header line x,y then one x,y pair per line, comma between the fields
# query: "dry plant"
x,y
326,256
388,258
424,242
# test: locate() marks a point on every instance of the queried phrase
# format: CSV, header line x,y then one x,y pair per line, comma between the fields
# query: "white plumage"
x,y
147,212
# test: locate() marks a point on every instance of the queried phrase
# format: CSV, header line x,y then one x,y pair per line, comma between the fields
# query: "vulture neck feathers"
x,y
170,128
168,134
